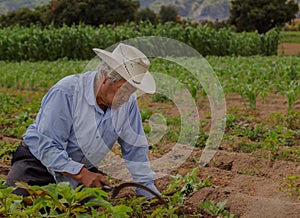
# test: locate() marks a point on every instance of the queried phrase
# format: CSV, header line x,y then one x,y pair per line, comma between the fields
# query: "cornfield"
x,y
76,42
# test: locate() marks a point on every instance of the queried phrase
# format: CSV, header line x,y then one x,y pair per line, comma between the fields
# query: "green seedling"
x,y
182,186
216,209
291,184
60,200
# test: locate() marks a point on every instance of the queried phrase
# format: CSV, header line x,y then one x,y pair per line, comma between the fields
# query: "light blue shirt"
x,y
72,131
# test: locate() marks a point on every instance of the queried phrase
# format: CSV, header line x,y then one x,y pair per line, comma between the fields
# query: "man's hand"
x,y
90,179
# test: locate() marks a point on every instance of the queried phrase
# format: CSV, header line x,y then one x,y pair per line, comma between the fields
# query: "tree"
x,y
168,13
21,17
147,15
261,15
69,12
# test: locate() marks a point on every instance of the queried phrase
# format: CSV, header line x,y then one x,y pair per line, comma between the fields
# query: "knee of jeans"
x,y
10,181
12,177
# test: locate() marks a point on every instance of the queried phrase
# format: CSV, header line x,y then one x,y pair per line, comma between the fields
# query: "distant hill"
x,y
188,9
197,9
194,9
191,9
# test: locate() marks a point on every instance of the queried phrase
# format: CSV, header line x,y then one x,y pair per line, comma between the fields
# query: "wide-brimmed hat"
x,y
131,64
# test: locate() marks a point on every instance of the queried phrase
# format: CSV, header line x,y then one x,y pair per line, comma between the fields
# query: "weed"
x,y
291,119
147,129
291,184
172,135
291,154
216,209
144,208
255,133
6,150
183,186
248,147
231,120
276,138
201,139
160,98
145,114
175,121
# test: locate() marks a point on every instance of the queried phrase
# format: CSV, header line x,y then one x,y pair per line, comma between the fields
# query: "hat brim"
x,y
147,83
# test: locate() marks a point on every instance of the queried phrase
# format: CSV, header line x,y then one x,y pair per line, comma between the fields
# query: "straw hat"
x,y
131,64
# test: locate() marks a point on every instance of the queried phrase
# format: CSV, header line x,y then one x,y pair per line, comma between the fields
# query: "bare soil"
x,y
289,48
252,186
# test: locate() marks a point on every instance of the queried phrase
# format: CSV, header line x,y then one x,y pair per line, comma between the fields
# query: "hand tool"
x,y
116,189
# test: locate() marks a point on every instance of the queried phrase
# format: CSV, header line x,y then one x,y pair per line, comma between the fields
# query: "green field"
x,y
262,134
290,36
257,161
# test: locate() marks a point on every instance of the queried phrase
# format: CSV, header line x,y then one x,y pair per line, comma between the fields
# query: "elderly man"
x,y
81,118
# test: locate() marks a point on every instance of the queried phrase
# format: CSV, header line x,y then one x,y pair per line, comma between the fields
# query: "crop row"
x,y
76,42
251,77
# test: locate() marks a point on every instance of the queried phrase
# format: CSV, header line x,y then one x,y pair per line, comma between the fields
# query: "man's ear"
x,y
106,79
103,75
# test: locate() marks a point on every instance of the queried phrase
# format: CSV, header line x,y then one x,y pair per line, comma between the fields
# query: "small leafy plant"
x,y
216,209
181,186
59,200
291,184
6,150
10,204
147,208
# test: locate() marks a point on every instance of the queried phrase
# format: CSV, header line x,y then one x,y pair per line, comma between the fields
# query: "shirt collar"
x,y
89,90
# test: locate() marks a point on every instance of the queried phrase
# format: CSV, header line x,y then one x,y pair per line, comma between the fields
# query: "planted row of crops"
x,y
251,77
76,42
278,139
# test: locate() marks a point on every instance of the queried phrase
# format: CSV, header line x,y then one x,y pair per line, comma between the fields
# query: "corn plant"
x,y
292,92
76,42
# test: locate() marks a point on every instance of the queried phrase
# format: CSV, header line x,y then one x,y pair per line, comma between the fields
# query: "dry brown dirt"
x,y
251,185
289,48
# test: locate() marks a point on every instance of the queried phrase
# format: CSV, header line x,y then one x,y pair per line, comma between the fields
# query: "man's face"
x,y
115,94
